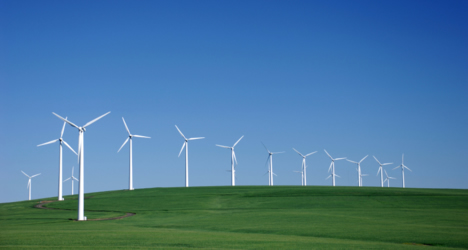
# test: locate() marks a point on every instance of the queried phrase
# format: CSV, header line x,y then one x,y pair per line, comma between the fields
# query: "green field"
x,y
254,217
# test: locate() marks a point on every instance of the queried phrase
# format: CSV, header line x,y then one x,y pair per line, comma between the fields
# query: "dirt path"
x,y
42,203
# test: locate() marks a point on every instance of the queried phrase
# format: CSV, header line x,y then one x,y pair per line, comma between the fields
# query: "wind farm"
x,y
278,105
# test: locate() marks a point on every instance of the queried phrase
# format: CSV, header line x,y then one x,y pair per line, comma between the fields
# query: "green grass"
x,y
246,218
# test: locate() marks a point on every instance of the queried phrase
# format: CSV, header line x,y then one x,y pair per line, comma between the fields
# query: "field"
x,y
246,217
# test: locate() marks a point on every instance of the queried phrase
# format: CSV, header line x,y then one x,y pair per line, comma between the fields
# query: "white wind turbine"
x,y
381,171
71,178
130,183
359,169
81,131
60,198
304,166
388,179
332,167
270,167
233,160
186,153
402,166
29,182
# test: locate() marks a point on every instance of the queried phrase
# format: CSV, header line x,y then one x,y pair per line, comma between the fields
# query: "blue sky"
x,y
354,77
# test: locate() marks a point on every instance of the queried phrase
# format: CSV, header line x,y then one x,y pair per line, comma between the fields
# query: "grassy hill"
x,y
244,217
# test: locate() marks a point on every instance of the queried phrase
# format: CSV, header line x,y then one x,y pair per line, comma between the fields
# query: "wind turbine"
x,y
81,131
402,166
60,198
388,179
186,153
304,166
233,160
71,178
332,167
29,182
381,171
130,183
359,169
270,169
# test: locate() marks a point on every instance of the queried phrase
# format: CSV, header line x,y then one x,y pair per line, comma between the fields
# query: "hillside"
x,y
246,217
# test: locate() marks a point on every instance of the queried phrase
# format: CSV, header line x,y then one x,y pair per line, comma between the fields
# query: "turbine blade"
x,y
65,120
66,144
386,173
25,174
222,146
238,141
183,146
310,153
75,179
379,170
234,154
337,159
266,148
93,121
328,154
328,177
125,142
196,138
377,160
126,127
35,175
396,167
49,142
337,175
351,161
277,152
363,158
274,174
330,166
63,128
298,152
408,168
387,164
67,179
180,132
142,136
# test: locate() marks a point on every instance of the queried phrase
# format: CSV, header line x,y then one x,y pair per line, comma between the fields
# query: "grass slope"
x,y
289,217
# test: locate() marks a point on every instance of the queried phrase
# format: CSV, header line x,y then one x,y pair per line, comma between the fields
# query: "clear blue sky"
x,y
354,77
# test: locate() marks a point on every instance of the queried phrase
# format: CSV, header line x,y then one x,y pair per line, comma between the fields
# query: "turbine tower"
x,y
71,178
130,182
332,167
304,166
186,153
29,182
302,176
81,131
359,169
381,171
60,198
402,166
270,167
233,160
388,179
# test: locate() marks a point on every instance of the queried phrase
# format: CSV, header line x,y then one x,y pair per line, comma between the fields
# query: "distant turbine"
x,y
130,182
388,178
381,171
81,161
233,160
402,166
186,153
304,166
332,167
359,169
270,169
29,182
60,198
71,178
